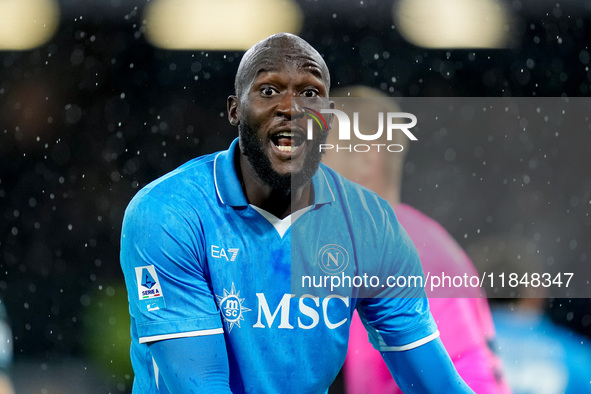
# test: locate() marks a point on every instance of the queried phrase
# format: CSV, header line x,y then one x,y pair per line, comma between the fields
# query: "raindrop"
x,y
85,300
573,244
450,155
73,113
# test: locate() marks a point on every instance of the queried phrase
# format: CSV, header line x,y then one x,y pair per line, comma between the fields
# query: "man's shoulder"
x,y
351,192
189,182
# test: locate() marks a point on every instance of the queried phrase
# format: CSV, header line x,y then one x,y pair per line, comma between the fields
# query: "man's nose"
x,y
290,107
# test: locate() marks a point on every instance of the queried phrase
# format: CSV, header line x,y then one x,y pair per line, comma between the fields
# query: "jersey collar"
x,y
227,183
322,191
229,189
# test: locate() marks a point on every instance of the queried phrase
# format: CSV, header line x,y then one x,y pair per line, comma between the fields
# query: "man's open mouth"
x,y
287,141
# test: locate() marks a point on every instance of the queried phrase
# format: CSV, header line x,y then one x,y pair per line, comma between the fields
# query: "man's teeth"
x,y
287,148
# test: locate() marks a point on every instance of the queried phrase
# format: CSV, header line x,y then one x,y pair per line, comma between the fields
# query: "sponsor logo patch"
x,y
231,307
149,289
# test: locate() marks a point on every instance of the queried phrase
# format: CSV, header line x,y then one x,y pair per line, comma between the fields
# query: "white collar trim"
x,y
281,225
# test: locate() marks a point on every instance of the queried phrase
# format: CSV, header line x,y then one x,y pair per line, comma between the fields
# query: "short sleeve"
x,y
165,271
397,316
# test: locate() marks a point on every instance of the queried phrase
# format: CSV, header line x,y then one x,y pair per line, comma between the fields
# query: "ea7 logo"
x,y
218,252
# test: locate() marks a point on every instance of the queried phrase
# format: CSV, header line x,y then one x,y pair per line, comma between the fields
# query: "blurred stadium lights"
x,y
218,25
26,24
451,24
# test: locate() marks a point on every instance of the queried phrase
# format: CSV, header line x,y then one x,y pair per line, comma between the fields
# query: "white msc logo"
x,y
312,310
219,253
333,259
231,307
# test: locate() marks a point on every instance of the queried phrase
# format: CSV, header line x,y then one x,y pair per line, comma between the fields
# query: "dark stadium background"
x,y
122,112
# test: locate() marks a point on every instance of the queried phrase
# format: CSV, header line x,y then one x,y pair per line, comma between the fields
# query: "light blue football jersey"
x,y
199,260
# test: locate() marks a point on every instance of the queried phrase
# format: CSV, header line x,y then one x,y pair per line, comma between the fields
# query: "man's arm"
x,y
425,369
171,303
194,364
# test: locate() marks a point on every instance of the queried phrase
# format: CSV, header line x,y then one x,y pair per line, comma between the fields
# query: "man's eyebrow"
x,y
308,66
265,69
313,68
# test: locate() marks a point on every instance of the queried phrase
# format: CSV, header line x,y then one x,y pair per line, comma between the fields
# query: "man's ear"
x,y
232,106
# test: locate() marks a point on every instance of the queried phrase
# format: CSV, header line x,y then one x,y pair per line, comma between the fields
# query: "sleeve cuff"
x,y
163,329
198,333
399,341
412,345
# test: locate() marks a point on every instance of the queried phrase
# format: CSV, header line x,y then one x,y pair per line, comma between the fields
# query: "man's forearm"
x,y
425,369
193,365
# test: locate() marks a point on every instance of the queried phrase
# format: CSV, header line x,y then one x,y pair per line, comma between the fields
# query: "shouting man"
x,y
208,255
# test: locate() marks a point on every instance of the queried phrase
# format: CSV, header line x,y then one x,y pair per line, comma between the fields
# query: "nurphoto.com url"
x,y
439,281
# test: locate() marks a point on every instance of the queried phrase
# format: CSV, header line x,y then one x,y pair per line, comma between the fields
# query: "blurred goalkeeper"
x,y
462,315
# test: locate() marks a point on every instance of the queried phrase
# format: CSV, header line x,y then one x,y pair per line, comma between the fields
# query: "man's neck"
x,y
280,203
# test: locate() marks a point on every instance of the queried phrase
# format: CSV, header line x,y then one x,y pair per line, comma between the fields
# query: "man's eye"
x,y
268,91
310,93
